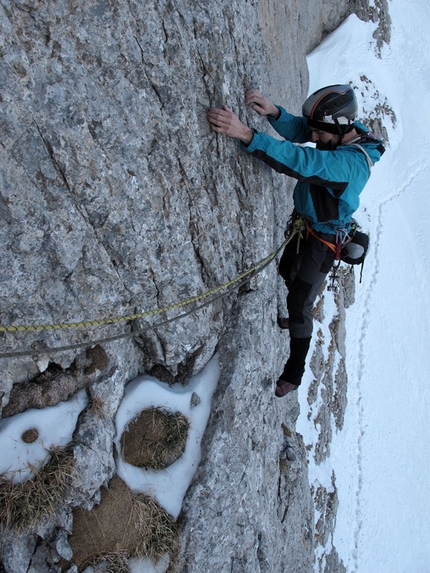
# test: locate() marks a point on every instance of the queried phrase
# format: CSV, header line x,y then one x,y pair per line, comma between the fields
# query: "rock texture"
x,y
116,199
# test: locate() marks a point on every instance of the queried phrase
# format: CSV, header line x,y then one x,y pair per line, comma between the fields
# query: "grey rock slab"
x,y
117,199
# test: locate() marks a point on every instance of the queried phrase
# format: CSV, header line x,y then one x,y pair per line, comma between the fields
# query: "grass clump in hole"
x,y
123,525
23,504
155,439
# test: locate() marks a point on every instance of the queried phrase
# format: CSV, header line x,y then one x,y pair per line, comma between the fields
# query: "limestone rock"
x,y
116,199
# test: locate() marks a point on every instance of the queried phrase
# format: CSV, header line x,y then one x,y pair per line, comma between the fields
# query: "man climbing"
x,y
330,178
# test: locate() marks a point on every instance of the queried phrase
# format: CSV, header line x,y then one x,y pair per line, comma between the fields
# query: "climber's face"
x,y
325,140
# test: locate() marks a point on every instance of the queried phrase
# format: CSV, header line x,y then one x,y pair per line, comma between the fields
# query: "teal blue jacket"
x,y
329,182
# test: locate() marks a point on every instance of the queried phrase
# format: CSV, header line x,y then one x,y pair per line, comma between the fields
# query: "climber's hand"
x,y
260,103
226,122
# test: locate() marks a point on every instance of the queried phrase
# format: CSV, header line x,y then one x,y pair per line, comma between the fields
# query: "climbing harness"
x,y
350,246
213,295
342,239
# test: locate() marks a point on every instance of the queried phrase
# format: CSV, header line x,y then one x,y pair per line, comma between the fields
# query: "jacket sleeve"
x,y
290,127
331,169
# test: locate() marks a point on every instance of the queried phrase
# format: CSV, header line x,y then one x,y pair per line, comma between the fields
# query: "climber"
x,y
331,176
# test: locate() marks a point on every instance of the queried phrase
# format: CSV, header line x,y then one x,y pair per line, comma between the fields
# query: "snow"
x,y
145,565
55,426
169,486
141,565
381,458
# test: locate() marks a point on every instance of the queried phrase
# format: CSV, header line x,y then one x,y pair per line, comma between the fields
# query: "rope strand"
x,y
214,294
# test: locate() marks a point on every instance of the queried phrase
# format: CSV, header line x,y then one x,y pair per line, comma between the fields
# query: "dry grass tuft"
x,y
22,505
123,525
99,408
159,532
116,562
155,439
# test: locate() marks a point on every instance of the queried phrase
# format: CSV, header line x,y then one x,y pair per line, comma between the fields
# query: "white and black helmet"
x,y
333,109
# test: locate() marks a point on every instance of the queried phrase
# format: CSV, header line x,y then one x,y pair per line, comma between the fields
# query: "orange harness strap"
x,y
334,247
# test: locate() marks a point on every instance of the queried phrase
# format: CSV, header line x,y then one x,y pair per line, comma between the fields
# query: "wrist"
x,y
247,135
276,114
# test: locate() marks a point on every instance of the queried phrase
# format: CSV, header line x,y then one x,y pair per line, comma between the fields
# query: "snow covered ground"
x,y
194,401
52,427
381,458
55,426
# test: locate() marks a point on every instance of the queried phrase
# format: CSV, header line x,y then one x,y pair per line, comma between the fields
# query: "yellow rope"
x,y
114,320
87,323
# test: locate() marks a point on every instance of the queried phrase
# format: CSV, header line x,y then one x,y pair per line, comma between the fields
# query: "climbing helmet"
x,y
332,109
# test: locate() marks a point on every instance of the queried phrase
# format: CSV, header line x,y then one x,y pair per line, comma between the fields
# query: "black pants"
x,y
304,273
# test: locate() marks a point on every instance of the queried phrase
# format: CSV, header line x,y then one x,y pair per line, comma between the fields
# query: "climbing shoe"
x,y
283,323
283,388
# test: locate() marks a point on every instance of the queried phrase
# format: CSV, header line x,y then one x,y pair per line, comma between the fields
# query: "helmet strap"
x,y
343,129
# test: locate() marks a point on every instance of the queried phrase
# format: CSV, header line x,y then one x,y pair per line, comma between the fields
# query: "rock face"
x,y
117,199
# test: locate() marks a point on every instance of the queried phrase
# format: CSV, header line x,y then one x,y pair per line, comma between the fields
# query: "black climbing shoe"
x,y
283,388
283,323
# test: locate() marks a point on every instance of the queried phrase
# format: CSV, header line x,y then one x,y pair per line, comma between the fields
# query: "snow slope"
x,y
381,458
